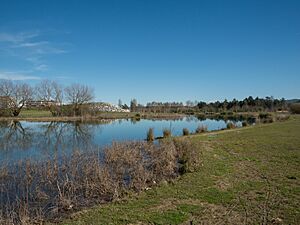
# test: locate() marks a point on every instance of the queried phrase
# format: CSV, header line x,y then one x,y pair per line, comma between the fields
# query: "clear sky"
x,y
155,50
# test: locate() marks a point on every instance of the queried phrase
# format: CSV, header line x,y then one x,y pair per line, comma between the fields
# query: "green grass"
x,y
33,113
249,175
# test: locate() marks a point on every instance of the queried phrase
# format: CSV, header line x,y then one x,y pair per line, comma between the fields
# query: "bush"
x,y
201,129
230,125
150,135
244,123
295,108
266,118
264,115
185,132
167,133
188,155
84,179
282,117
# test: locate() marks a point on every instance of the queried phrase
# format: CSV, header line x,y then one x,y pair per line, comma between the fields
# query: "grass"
x,y
249,175
32,113
45,115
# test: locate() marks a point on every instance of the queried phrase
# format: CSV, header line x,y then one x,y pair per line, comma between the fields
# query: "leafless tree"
x,y
21,94
52,93
18,93
77,95
6,87
44,90
58,95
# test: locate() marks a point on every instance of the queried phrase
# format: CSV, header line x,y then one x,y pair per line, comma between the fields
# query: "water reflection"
x,y
37,140
13,135
57,135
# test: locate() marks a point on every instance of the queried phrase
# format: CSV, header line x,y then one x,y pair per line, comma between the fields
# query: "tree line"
x,y
73,100
248,104
16,95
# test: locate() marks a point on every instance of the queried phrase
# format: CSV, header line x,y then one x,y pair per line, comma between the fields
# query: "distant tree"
x,y
189,103
77,95
51,92
125,106
120,103
133,105
58,95
44,91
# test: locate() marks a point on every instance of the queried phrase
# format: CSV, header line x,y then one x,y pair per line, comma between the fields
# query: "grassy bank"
x,y
45,116
249,176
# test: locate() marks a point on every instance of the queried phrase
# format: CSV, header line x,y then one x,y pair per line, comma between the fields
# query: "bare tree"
x,y
58,95
6,88
44,91
18,93
77,95
52,93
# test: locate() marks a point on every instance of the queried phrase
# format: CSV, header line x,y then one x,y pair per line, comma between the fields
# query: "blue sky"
x,y
166,50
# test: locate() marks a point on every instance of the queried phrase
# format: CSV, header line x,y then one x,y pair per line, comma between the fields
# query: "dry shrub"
x,y
295,108
167,133
265,118
185,132
201,129
230,125
188,155
245,124
282,117
150,135
163,160
33,192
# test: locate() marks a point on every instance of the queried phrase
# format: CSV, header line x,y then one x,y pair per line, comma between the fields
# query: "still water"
x,y
44,140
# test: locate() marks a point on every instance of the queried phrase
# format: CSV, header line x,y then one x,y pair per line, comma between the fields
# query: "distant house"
x,y
39,104
106,107
5,102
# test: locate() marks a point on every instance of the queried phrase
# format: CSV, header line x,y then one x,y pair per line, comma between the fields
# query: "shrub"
x,y
266,118
150,135
230,125
264,115
167,133
282,117
295,108
244,123
185,132
86,178
201,129
188,155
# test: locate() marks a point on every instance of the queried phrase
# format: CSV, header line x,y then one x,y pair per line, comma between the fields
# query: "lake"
x,y
43,140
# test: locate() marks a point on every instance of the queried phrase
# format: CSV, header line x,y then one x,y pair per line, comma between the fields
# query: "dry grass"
x,y
32,192
150,135
167,133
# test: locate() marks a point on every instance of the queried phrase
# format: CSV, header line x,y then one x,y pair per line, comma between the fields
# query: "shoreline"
x,y
132,115
103,116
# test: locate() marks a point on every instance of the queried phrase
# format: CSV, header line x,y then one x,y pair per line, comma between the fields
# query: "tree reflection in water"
x,y
48,139
14,136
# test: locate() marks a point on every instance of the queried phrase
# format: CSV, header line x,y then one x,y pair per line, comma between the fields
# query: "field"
x,y
248,176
